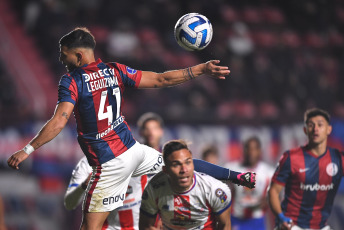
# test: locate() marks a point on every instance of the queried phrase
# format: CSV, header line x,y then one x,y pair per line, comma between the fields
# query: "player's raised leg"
x,y
93,220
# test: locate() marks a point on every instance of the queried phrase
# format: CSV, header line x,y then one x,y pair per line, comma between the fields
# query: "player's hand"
x,y
285,222
247,179
16,159
214,70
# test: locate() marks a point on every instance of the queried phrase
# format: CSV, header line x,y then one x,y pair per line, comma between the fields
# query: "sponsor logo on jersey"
x,y
316,187
303,170
103,78
221,195
131,71
331,169
116,123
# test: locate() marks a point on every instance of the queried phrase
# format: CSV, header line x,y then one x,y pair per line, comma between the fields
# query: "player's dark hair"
x,y
80,37
249,140
208,151
173,146
144,118
316,112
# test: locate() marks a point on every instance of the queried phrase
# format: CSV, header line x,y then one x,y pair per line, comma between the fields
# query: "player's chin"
x,y
185,182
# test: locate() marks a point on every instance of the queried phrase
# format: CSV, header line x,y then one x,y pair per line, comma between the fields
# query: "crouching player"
x,y
184,199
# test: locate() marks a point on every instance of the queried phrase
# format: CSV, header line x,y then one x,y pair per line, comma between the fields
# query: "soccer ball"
x,y
193,31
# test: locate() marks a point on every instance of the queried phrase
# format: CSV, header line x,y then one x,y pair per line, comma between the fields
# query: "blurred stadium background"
x,y
284,57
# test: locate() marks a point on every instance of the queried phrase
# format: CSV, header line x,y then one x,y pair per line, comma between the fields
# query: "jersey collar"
x,y
95,63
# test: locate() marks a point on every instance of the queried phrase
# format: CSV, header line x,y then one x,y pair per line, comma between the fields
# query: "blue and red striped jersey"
x,y
311,183
96,90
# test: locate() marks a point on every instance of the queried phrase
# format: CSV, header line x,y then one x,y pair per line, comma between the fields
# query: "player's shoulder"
x,y
207,181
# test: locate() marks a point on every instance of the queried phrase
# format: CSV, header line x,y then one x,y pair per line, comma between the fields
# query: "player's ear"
x,y
79,57
329,129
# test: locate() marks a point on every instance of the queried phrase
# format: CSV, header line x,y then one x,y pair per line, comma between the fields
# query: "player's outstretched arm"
x,y
275,205
175,77
247,179
47,133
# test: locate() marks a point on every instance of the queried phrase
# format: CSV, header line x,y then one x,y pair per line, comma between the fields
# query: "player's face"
x,y
180,169
252,153
317,129
152,133
68,58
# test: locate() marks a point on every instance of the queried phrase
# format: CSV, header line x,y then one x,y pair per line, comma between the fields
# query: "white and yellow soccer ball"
x,y
193,31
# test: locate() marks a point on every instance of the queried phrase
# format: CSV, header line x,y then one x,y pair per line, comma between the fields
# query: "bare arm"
x,y
175,77
73,196
147,222
224,220
49,131
275,203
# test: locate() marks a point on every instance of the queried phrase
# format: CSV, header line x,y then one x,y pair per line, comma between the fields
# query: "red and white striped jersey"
x,y
125,217
193,209
244,199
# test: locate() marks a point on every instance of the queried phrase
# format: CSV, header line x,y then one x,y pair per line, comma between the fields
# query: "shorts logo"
x,y
221,195
131,71
111,200
332,169
158,164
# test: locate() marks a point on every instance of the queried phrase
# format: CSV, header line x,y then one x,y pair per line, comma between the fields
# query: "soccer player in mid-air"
x,y
311,175
93,90
184,199
126,217
250,205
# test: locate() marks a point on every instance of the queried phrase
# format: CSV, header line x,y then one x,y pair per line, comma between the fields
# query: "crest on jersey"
x,y
131,71
331,169
221,195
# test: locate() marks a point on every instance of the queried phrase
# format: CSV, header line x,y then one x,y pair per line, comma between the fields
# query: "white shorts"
x,y
109,181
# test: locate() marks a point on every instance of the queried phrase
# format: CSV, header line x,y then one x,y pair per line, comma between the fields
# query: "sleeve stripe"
x,y
224,209
274,180
67,100
148,214
73,185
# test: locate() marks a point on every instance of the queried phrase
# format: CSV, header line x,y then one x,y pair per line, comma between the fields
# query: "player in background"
x,y
127,216
151,128
184,199
310,176
249,205
210,154
93,90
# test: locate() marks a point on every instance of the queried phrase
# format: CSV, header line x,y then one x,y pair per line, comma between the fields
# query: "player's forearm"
x,y
49,131
175,77
73,197
274,201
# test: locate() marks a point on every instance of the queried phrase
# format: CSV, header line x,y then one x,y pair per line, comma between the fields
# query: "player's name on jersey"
x,y
102,79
